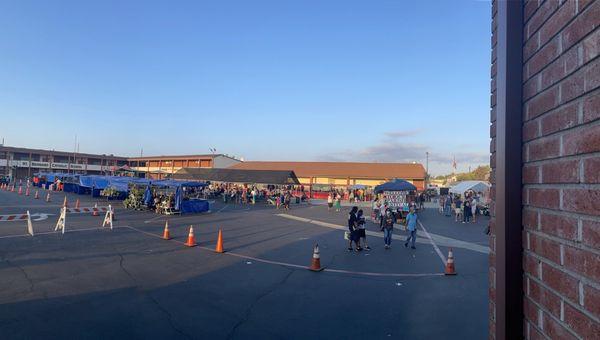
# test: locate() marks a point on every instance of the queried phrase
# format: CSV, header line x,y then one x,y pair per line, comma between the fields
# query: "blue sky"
x,y
264,80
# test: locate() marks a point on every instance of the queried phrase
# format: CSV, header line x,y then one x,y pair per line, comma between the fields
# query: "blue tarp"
x,y
102,182
178,198
194,206
147,196
395,185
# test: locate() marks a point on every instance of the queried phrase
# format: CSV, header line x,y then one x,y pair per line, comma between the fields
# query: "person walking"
x,y
467,211
447,205
338,202
329,202
411,224
387,228
474,209
362,230
286,200
457,209
352,219
376,210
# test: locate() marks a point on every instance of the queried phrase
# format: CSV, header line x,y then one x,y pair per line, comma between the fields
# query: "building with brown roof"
x,y
163,166
325,175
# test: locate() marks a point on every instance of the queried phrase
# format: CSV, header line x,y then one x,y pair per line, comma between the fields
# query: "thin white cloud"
x,y
403,133
395,151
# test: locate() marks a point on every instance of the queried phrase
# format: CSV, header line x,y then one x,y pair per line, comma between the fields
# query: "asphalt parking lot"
x,y
95,282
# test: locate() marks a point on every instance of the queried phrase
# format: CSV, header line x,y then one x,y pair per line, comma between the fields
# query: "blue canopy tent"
x,y
70,182
395,185
94,184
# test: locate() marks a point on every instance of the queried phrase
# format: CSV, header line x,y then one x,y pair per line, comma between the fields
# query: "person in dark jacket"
x,y
387,227
352,226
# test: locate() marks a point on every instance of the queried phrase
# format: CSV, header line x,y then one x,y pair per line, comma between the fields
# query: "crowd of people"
x,y
280,197
357,236
465,208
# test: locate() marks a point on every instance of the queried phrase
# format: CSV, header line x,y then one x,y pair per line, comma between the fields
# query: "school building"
x,y
22,162
165,166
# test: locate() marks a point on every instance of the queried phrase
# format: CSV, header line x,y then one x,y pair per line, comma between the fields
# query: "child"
x,y
362,232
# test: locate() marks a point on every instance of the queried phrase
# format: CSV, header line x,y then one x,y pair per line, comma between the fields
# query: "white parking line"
x,y
154,219
437,250
441,240
58,233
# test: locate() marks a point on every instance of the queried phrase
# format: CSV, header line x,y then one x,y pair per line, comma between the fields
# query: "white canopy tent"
x,y
477,186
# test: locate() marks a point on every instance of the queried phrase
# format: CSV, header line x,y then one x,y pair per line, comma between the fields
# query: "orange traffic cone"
x,y
76,204
48,197
315,265
450,264
95,210
37,195
65,203
20,190
27,191
166,234
191,241
12,189
219,247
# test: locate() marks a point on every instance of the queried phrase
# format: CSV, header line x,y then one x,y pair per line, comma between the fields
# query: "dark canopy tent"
x,y
182,203
238,176
395,185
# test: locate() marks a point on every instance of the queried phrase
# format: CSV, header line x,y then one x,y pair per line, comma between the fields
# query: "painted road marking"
x,y
437,250
23,217
441,240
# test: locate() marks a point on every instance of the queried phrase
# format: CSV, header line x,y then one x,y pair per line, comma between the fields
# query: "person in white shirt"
x,y
474,209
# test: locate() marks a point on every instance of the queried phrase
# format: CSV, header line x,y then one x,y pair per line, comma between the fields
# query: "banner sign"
x,y
59,166
35,164
395,199
19,164
76,166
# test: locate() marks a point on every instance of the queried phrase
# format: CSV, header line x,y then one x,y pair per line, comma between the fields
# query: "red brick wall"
x,y
561,169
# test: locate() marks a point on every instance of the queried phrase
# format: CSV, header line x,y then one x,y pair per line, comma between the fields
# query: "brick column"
x,y
560,171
